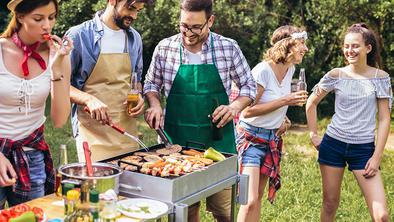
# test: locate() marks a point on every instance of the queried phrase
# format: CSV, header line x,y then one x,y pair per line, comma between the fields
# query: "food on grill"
x,y
192,152
213,154
145,153
152,158
206,161
170,150
129,167
135,160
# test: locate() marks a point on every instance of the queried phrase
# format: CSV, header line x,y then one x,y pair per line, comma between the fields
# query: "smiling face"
x,y
38,22
125,14
354,49
194,27
299,51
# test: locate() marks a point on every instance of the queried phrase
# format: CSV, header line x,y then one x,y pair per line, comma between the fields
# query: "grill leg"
x,y
181,211
233,200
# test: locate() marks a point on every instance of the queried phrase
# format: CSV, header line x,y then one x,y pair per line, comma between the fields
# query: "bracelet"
x,y
57,79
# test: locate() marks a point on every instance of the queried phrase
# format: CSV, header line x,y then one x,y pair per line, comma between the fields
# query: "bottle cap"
x,y
66,187
62,146
94,196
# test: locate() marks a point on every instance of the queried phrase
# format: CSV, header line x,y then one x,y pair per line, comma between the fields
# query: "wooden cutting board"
x,y
50,205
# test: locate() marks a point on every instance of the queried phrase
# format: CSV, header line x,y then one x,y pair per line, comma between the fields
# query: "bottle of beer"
x,y
301,84
62,161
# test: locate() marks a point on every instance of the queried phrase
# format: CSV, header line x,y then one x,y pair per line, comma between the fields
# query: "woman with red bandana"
x,y
32,64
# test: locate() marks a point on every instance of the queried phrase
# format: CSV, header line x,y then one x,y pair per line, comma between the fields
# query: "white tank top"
x,y
22,102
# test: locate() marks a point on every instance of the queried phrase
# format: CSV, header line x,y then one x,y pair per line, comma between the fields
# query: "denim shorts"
x,y
336,153
254,155
37,179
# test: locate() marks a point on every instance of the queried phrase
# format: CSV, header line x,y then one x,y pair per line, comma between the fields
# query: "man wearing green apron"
x,y
196,68
107,53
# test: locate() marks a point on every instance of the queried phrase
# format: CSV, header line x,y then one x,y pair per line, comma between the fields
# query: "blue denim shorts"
x,y
336,153
254,155
37,179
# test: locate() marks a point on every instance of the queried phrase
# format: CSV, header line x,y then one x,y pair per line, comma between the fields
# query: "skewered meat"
x,y
170,150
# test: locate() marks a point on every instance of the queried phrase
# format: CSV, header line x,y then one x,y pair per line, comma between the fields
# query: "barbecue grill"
x,y
184,190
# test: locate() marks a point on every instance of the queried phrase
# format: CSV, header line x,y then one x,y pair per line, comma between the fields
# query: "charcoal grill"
x,y
182,191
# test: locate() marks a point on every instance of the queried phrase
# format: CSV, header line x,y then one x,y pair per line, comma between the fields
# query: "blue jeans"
x,y
254,155
37,179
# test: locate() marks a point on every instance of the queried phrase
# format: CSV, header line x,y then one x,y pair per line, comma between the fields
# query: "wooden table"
x,y
54,210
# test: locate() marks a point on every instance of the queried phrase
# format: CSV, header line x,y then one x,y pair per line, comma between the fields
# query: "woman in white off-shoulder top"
x,y
361,90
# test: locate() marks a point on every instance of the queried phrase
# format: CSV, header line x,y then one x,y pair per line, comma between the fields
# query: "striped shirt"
x,y
230,62
354,120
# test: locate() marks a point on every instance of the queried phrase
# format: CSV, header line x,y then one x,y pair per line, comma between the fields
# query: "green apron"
x,y
196,91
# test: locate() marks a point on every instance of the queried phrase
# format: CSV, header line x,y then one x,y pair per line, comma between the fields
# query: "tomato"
x,y
38,212
5,213
21,208
3,218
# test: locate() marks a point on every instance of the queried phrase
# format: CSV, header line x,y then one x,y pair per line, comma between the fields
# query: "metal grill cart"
x,y
182,191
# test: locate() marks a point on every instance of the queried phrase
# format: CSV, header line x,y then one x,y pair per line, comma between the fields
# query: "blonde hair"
x,y
282,49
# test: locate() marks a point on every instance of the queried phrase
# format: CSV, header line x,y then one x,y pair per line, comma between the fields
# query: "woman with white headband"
x,y
261,125
362,91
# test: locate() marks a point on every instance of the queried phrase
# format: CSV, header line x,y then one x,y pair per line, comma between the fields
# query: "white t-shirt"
x,y
22,102
113,41
265,76
194,58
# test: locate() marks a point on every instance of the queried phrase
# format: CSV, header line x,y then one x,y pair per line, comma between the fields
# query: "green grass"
x,y
299,199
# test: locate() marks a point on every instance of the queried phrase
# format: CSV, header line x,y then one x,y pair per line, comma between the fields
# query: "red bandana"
x,y
28,51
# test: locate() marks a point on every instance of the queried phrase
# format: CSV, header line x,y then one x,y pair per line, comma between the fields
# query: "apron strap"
x,y
213,51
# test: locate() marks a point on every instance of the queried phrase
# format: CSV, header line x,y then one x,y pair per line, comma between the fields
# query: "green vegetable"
x,y
25,217
213,154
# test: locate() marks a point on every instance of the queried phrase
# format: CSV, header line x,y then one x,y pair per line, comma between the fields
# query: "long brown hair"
x,y
23,8
373,57
282,44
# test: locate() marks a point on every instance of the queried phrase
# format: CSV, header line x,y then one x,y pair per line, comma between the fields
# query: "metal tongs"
x,y
164,137
122,131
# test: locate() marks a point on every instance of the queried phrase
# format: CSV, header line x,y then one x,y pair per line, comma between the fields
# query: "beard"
x,y
123,22
194,39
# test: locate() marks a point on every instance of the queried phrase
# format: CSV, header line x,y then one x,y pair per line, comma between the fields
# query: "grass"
x,y
299,199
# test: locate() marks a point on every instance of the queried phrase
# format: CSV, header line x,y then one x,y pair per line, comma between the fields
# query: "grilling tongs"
x,y
164,137
122,131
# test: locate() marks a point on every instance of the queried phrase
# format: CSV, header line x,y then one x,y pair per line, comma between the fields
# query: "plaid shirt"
x,y
14,152
233,96
230,62
271,165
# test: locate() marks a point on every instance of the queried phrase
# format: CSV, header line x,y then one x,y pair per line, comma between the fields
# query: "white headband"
x,y
300,35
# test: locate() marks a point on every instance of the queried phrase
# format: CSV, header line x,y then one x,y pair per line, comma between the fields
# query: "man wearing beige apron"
x,y
199,68
107,53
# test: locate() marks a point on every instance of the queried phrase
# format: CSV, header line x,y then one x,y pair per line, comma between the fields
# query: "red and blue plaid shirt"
x,y
13,150
271,165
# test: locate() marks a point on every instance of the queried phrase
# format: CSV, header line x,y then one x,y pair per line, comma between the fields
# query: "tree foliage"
x,y
252,22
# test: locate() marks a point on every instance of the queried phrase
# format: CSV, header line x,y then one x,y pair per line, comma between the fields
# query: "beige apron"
x,y
109,82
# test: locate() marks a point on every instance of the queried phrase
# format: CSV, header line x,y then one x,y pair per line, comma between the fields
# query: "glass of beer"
x,y
133,94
